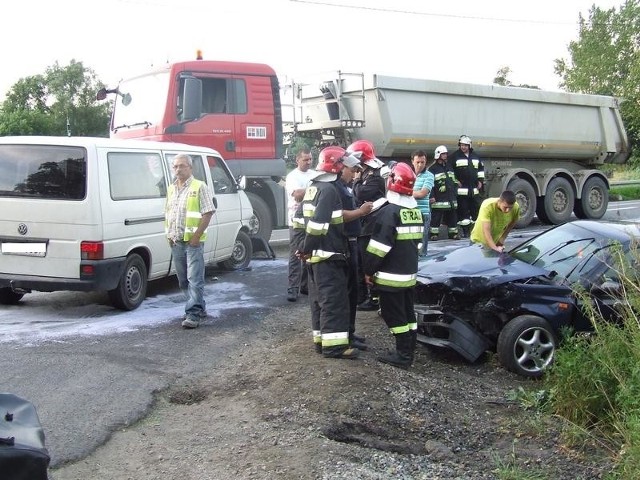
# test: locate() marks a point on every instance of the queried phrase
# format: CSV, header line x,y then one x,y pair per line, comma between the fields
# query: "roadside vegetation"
x,y
594,383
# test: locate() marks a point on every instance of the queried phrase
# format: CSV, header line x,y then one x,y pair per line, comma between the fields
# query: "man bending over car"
x,y
496,218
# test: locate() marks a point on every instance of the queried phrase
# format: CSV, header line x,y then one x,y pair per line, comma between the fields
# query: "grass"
x,y
595,381
627,192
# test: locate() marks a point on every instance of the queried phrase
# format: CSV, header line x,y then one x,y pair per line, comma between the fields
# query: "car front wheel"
x,y
527,345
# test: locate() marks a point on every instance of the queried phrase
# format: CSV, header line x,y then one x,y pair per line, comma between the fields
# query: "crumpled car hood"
x,y
474,269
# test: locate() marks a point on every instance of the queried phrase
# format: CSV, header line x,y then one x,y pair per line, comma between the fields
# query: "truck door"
x,y
252,99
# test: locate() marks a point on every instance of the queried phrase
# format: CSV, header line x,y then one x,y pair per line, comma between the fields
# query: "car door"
x,y
229,211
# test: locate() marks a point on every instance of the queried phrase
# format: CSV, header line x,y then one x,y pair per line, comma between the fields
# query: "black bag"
x,y
22,452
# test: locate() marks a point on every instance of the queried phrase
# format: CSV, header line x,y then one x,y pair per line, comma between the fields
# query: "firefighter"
x,y
469,172
324,248
391,262
444,202
369,186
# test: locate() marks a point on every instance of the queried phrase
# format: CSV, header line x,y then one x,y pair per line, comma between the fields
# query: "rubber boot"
x,y
403,355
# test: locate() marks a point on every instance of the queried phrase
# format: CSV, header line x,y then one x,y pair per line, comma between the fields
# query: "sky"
x,y
456,40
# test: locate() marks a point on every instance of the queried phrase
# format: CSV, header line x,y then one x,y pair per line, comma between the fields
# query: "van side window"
x,y
223,182
136,175
43,171
198,166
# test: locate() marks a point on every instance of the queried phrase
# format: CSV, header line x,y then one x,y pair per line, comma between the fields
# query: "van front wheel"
x,y
132,287
9,297
241,254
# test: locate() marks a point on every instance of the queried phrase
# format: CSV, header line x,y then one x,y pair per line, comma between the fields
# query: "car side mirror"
x,y
242,182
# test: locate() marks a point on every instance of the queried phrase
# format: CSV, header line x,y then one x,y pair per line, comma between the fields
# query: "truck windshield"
x,y
148,94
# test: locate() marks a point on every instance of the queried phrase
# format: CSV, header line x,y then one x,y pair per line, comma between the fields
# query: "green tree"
x,y
502,78
59,102
605,60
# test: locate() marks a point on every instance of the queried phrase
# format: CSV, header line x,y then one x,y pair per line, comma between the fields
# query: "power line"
x,y
428,14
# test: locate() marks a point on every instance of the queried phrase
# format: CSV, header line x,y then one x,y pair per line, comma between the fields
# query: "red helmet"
x,y
401,179
330,160
363,150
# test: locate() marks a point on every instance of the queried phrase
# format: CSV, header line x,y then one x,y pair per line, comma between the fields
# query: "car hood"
x,y
474,268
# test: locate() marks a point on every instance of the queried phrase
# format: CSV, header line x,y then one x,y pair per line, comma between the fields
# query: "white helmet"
x,y
464,139
439,150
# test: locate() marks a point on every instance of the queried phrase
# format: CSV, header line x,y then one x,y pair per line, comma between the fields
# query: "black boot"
x,y
403,355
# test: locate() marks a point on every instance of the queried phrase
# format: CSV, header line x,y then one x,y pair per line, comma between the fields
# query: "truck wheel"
x,y
9,297
526,197
542,215
526,345
132,287
261,223
241,254
559,201
594,200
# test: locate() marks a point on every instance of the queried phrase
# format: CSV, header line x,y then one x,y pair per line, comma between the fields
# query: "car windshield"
x,y
561,250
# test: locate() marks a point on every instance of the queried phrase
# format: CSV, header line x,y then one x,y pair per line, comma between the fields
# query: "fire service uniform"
x,y
444,194
391,262
325,249
469,172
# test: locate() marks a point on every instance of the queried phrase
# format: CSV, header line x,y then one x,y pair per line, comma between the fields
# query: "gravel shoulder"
x,y
276,409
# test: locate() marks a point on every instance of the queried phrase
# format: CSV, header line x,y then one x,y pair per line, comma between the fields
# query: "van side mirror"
x,y
242,182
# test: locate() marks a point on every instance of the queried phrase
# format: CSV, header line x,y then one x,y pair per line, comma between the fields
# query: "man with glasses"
x,y
496,218
188,211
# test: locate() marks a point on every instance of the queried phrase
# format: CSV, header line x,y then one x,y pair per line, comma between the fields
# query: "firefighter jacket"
x,y
322,211
468,170
391,257
368,188
445,187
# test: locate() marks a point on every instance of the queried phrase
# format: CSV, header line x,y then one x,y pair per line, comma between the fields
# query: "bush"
x,y
595,380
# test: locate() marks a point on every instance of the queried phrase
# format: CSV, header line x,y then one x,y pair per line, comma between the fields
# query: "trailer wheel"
x,y
132,287
9,297
261,223
241,254
527,345
526,198
559,201
594,200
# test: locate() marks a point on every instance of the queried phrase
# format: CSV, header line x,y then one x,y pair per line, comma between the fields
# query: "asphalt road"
x,y
91,369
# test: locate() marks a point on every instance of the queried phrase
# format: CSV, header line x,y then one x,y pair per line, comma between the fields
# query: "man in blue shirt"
x,y
421,190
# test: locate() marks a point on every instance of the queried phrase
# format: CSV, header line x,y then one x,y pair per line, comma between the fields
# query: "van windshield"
x,y
43,171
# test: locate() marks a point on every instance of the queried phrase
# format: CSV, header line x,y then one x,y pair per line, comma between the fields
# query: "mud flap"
x,y
452,333
22,452
261,248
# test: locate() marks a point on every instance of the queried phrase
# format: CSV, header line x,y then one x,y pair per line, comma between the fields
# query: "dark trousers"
x,y
397,311
329,304
468,206
448,217
297,268
352,283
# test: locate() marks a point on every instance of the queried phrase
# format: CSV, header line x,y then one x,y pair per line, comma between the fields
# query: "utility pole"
x,y
68,126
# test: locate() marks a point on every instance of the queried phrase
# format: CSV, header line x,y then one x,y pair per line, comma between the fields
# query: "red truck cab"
x,y
231,107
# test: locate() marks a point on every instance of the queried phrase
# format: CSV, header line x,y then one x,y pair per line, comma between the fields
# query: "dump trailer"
x,y
545,146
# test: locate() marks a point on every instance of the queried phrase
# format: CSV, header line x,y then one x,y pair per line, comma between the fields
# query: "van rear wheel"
x,y
9,297
132,287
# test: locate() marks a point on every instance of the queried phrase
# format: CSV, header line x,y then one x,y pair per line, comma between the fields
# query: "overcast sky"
x,y
463,40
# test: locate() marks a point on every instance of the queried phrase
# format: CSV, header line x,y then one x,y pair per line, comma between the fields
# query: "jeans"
x,y
426,218
189,263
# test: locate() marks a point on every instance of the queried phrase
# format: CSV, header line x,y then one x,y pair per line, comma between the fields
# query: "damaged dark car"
x,y
516,303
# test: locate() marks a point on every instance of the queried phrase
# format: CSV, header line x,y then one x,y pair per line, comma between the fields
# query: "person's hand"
x,y
499,248
368,280
366,208
302,256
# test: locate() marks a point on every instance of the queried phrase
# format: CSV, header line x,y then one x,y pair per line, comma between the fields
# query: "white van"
x,y
87,214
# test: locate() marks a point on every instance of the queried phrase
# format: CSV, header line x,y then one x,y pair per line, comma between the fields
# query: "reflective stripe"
x,y
465,191
410,233
336,217
462,162
475,162
297,223
400,329
443,205
378,249
335,339
395,279
481,174
315,228
465,222
322,255
308,210
317,337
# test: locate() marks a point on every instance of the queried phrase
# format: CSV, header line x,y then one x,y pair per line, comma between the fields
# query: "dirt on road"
x,y
277,410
